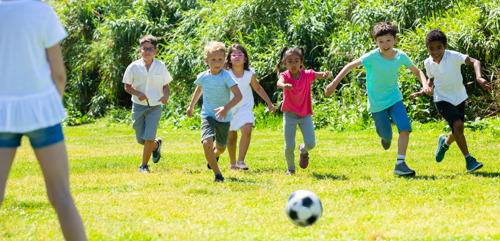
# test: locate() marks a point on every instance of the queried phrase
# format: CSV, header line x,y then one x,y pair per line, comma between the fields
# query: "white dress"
x,y
242,112
29,99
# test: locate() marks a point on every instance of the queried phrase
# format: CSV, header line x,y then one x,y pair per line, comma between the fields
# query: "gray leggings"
x,y
290,122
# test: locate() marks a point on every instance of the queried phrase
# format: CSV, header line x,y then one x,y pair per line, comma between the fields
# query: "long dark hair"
x,y
228,64
285,51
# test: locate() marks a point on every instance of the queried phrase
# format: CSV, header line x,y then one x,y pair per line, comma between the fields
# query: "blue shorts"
x,y
38,138
396,113
145,120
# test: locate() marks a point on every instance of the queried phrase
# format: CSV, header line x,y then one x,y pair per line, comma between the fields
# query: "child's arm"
x,y
196,96
420,93
281,83
129,89
322,75
262,93
477,68
57,69
221,112
421,76
166,94
350,66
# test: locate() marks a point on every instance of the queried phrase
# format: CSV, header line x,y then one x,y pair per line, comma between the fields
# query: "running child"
x,y
237,63
33,78
443,67
215,84
146,79
384,97
297,104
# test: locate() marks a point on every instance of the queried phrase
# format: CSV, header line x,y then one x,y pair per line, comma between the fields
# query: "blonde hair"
x,y
213,46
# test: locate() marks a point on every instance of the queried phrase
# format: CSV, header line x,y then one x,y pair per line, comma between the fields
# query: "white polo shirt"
x,y
150,83
448,81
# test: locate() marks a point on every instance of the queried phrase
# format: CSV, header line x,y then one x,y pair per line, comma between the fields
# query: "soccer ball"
x,y
304,208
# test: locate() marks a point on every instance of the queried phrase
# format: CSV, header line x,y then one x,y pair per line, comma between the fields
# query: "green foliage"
x,y
103,40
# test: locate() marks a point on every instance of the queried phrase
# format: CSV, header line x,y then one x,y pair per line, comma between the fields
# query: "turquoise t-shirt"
x,y
216,92
382,79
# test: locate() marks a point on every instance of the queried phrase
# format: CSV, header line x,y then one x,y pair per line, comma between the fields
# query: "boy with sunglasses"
x,y
147,79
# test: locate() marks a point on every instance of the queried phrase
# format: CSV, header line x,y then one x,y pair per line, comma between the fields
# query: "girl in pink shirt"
x,y
296,107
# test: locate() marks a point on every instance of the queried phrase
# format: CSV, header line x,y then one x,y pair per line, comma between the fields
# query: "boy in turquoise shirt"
x,y
215,84
384,97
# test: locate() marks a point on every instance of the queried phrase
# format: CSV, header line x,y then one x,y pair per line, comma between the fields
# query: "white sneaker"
x,y
241,165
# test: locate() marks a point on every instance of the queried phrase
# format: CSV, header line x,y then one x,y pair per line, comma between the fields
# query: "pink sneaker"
x,y
304,158
241,165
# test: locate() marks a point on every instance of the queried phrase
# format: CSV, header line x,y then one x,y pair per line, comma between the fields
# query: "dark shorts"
x,y
451,113
216,129
38,138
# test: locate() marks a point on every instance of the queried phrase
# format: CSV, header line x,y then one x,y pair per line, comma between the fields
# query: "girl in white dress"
x,y
238,66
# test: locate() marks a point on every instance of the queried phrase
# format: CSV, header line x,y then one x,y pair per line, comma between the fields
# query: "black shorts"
x,y
451,113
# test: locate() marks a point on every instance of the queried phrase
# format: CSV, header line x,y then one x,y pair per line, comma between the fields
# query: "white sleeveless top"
x,y
243,111
29,99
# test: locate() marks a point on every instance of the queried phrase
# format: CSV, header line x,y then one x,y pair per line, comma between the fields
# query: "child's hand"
x,y
141,96
189,112
221,113
417,94
326,75
271,108
427,90
484,84
329,89
163,99
288,86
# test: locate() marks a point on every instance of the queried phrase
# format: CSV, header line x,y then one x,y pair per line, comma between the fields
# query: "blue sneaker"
x,y
472,164
157,152
385,145
216,158
219,178
441,150
402,169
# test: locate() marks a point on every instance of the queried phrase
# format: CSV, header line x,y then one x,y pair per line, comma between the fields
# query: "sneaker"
x,y
157,152
402,169
304,158
472,164
289,173
441,150
219,178
241,165
385,145
144,168
216,158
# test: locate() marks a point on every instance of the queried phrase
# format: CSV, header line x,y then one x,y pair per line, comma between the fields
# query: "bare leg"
x,y
231,146
246,135
149,146
459,137
54,163
208,149
6,160
404,137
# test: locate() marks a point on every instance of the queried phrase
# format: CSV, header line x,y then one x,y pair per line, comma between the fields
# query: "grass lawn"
x,y
349,171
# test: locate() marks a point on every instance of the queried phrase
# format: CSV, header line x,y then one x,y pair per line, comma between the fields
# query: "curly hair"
x,y
384,28
436,35
213,46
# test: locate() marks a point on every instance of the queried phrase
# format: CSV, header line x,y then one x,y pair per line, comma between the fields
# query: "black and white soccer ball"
x,y
304,208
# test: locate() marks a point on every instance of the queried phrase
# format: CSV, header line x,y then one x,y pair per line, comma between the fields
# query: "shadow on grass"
x,y
322,176
486,174
234,179
429,177
26,204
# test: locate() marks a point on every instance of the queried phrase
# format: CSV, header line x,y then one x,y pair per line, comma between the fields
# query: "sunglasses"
x,y
148,49
237,55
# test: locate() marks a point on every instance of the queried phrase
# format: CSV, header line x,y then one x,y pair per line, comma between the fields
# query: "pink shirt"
x,y
298,99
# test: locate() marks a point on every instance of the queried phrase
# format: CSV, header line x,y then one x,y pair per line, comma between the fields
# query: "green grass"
x,y
349,171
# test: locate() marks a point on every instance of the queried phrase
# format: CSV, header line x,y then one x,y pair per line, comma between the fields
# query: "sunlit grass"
x,y
349,171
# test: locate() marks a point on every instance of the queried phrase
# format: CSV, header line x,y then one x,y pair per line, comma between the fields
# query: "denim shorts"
x,y
145,120
396,113
38,138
